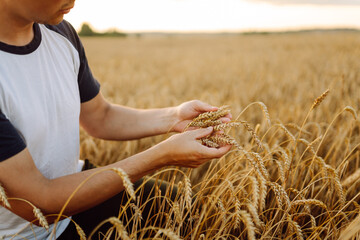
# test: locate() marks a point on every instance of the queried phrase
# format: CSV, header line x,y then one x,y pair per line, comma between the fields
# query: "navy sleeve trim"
x,y
89,87
11,142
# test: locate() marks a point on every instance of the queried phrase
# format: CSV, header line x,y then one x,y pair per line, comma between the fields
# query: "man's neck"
x,y
13,29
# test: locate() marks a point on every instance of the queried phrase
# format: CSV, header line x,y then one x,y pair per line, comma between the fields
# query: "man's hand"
x,y
189,110
185,150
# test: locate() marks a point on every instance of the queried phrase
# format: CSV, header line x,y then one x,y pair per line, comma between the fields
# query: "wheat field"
x,y
302,183
293,171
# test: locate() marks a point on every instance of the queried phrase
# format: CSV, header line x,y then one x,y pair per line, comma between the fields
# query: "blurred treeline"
x,y
87,31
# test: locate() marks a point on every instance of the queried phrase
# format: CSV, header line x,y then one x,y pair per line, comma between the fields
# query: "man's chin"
x,y
54,21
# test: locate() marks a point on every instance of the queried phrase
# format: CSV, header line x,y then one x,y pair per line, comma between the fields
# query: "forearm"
x,y
101,184
123,123
51,195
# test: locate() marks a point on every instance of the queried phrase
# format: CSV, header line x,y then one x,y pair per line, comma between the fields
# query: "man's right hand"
x,y
185,150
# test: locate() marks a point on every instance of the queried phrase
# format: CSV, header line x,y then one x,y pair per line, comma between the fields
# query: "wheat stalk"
x,y
80,231
253,134
205,124
312,219
37,212
296,228
248,223
338,186
119,227
237,213
170,234
214,115
287,132
42,220
126,182
254,214
279,193
3,197
188,192
265,111
319,99
223,126
308,202
177,212
351,179
351,110
207,142
255,191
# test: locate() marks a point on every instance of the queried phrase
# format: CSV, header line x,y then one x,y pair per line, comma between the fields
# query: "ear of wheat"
x,y
119,228
42,220
126,181
3,197
320,99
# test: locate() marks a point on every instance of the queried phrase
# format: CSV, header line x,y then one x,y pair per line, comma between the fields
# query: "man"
x,y
46,90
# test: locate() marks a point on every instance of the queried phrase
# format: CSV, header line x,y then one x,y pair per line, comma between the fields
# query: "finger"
x,y
229,115
204,107
218,152
202,132
225,119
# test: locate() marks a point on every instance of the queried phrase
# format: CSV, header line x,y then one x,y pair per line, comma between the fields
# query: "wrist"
x,y
173,118
162,155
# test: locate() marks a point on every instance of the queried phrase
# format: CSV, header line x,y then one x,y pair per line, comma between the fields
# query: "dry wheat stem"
x,y
255,191
260,163
351,179
126,182
308,202
205,124
255,215
188,192
312,218
351,110
119,227
298,128
338,186
302,197
3,197
287,132
170,234
248,223
263,192
77,189
263,109
207,142
237,213
351,230
280,194
214,115
319,99
80,231
296,228
223,126
253,134
42,220
37,212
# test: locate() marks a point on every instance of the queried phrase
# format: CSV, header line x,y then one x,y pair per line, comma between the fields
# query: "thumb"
x,y
203,132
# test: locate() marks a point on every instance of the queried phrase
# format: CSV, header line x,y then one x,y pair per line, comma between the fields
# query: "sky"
x,y
214,15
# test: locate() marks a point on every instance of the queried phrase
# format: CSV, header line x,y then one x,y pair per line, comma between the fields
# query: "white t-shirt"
x,y
42,86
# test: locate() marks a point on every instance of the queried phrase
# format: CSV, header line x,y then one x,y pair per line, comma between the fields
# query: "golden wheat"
x,y
319,99
126,181
3,197
267,68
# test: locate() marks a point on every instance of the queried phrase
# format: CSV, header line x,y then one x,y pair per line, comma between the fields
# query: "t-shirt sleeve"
x,y
11,142
89,87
